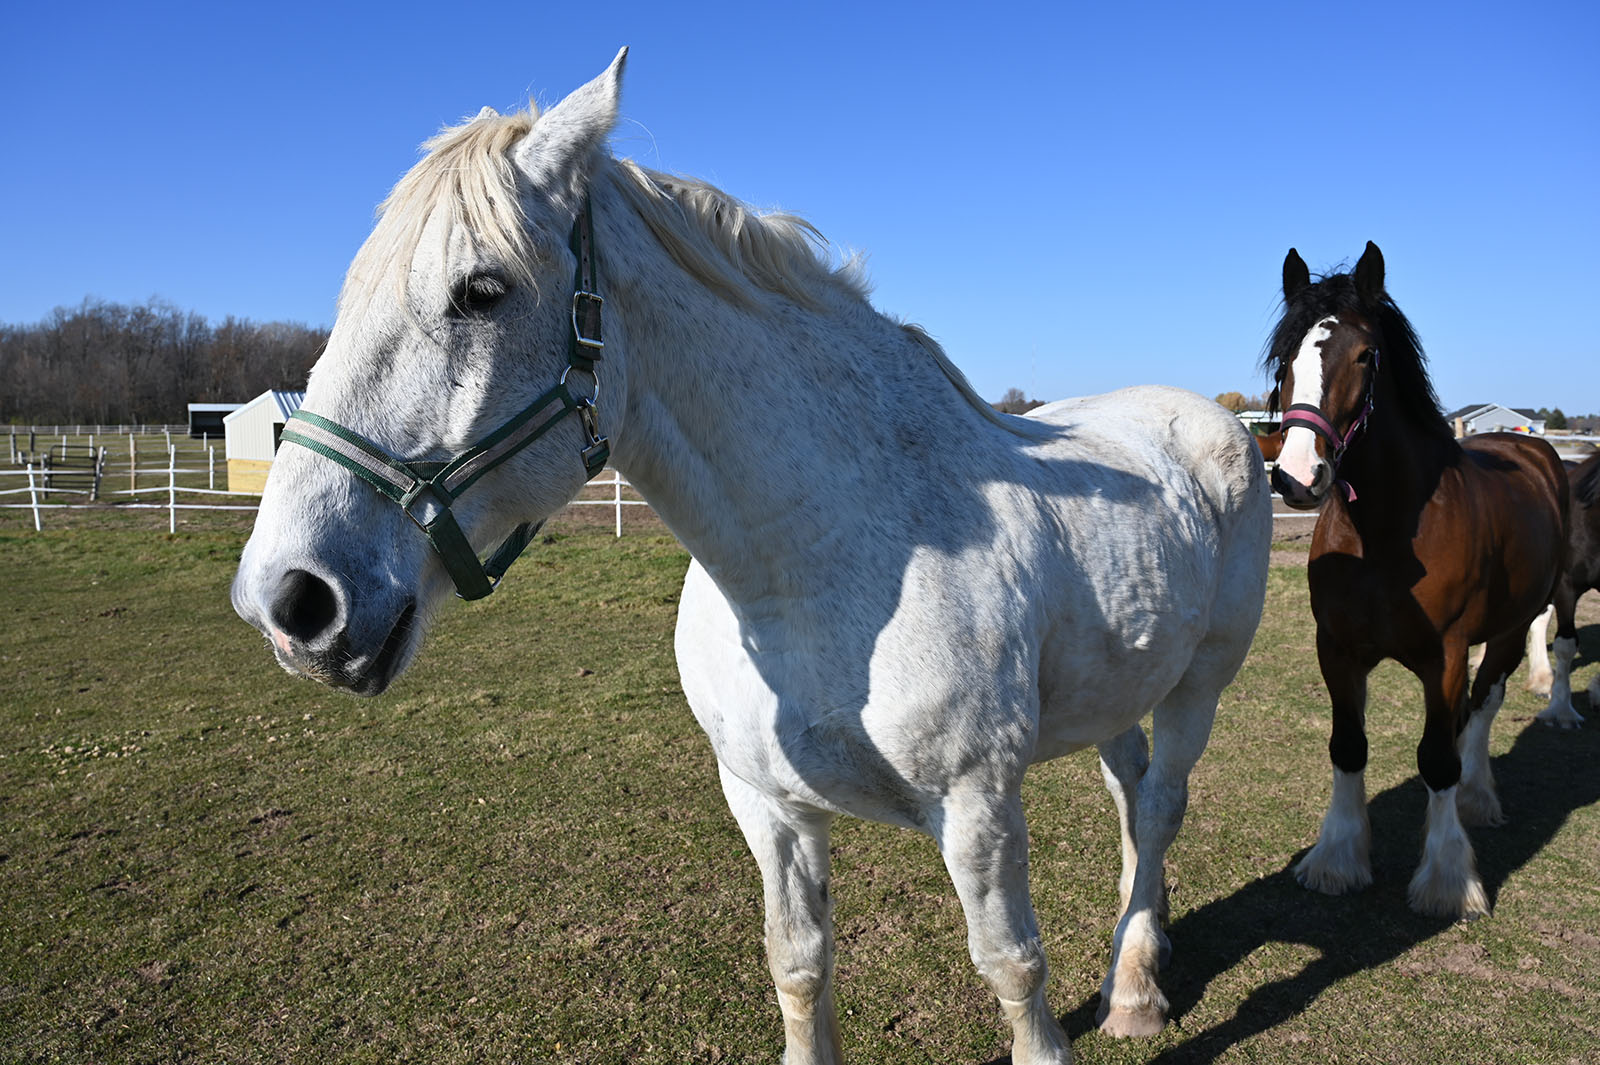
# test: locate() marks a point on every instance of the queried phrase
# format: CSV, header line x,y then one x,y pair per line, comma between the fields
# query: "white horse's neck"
x,y
852,409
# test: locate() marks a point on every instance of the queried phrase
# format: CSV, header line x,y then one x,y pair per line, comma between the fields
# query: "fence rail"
x,y
173,490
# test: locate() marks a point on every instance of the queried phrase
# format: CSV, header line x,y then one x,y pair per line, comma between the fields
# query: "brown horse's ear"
x,y
1296,275
1369,271
1272,399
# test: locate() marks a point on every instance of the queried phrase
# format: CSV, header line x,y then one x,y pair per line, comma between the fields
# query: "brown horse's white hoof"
x,y
1479,806
1340,861
1446,883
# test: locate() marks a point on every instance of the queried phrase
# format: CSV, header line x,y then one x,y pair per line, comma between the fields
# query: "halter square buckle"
x,y
586,321
433,505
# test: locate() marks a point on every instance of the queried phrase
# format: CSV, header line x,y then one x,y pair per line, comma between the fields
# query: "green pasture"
x,y
520,854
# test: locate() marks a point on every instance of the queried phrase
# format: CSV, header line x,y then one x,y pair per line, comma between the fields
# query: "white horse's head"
x,y
454,396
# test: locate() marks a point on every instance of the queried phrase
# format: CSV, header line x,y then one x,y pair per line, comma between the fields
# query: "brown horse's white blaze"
x,y
1299,460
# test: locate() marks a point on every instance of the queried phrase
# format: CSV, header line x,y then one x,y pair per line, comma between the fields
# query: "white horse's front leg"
x,y
791,846
984,839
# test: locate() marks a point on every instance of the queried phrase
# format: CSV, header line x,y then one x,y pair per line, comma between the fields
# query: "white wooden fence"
x,y
35,488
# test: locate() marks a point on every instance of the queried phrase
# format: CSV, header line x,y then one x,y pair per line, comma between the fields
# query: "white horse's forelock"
x,y
468,170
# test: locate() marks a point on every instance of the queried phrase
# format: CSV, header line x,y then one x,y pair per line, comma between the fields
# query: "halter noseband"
x,y
425,490
1311,416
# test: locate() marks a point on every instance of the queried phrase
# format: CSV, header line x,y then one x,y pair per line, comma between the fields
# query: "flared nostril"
x,y
305,607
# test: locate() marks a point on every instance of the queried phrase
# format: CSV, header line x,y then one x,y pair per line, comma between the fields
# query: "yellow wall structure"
x,y
248,475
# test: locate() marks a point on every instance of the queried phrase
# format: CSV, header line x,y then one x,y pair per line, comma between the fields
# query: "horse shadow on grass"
x,y
1545,776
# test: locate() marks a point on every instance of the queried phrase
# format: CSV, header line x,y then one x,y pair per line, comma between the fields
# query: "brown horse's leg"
x,y
1476,799
1560,712
1446,883
1340,860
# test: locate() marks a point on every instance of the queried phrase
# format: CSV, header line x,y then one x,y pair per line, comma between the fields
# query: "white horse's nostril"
x,y
305,608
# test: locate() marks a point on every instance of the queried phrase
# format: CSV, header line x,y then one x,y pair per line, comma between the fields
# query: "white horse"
x,y
899,599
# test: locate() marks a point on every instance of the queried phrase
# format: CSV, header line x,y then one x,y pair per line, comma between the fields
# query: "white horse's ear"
x,y
561,146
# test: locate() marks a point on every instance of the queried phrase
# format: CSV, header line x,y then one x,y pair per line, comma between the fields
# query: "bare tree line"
x,y
109,363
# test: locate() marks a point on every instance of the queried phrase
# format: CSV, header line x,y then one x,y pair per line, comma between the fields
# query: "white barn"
x,y
253,431
1493,418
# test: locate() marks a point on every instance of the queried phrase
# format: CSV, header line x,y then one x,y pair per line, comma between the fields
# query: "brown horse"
x,y
1269,443
1582,573
1425,546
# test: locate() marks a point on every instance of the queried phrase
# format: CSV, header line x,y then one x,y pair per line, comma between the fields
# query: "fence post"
x,y
211,468
99,472
33,497
133,466
172,488
616,481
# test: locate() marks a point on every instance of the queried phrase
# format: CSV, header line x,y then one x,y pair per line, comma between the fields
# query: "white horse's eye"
x,y
478,294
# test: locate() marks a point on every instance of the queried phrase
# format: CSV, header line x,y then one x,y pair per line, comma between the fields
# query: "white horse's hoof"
x,y
1561,716
1138,1023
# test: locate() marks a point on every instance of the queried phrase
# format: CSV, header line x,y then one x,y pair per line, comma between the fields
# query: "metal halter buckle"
x,y
586,320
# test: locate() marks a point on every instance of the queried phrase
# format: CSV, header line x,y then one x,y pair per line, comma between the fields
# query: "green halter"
x,y
425,490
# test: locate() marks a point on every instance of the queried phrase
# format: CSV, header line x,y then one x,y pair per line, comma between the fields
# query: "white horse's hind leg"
x,y
1560,712
1131,1002
1123,761
792,849
984,840
1539,676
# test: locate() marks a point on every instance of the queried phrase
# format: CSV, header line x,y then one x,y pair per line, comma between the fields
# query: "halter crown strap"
x,y
425,490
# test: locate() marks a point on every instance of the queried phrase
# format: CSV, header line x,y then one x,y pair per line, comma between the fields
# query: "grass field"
x,y
520,854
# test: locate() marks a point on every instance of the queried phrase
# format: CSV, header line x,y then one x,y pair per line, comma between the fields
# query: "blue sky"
x,y
1071,198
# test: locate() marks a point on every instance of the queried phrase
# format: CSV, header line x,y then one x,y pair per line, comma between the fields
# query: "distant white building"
x,y
253,431
205,419
1493,418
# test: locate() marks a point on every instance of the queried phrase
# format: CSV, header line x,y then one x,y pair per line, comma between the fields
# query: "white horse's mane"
x,y
725,244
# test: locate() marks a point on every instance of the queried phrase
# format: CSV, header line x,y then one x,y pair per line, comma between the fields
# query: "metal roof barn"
x,y
253,432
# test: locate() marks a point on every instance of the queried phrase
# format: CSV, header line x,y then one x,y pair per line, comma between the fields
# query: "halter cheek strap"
x,y
425,490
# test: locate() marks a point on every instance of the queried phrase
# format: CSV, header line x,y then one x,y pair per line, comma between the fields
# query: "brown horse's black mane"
x,y
1586,486
1401,358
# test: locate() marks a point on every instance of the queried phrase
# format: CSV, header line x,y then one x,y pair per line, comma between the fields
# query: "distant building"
x,y
1261,421
1493,418
253,431
205,419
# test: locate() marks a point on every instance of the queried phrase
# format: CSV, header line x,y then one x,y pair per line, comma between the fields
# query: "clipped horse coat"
x,y
899,599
